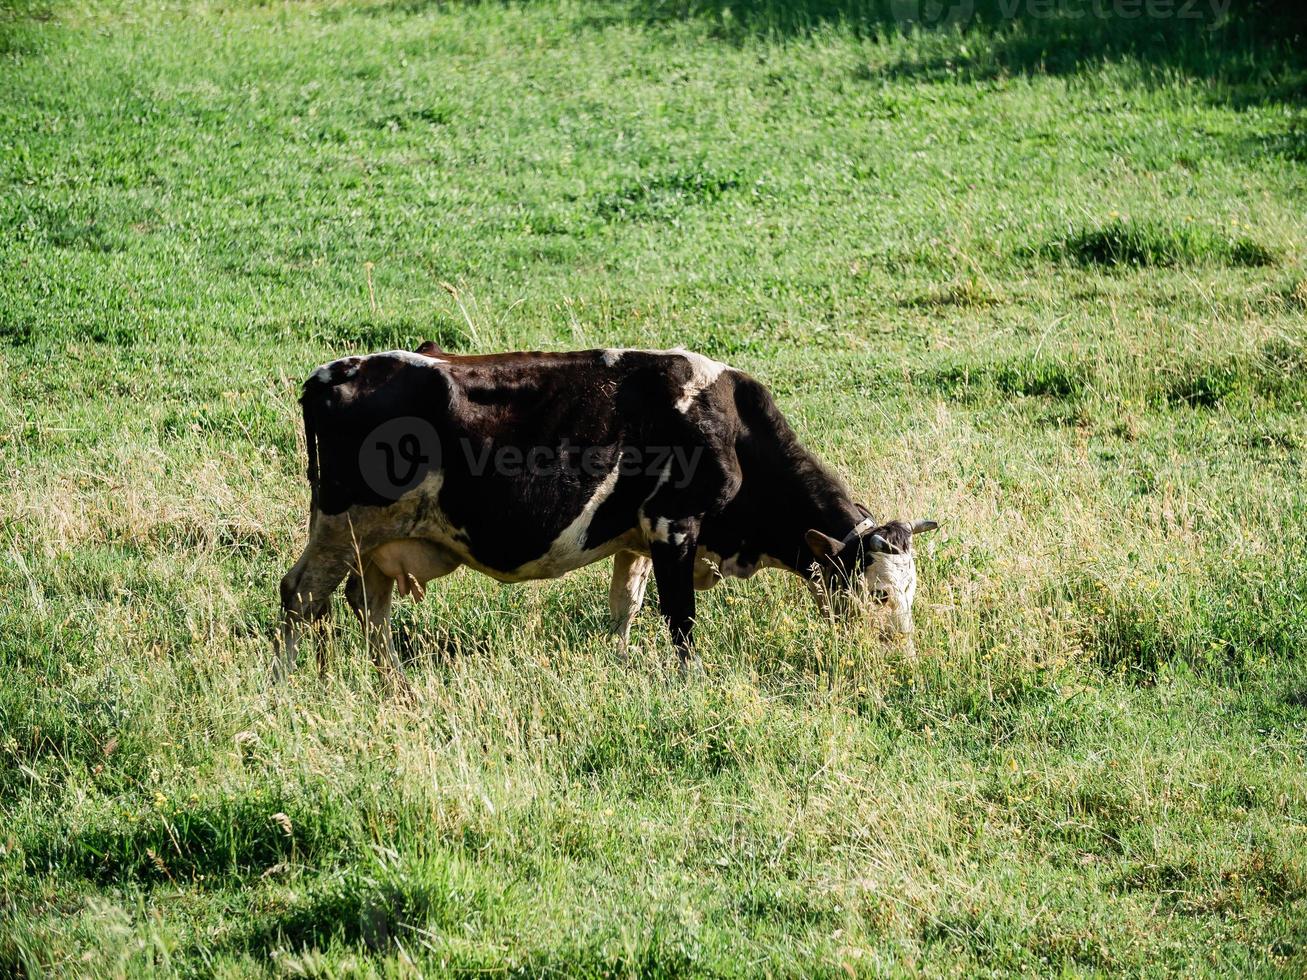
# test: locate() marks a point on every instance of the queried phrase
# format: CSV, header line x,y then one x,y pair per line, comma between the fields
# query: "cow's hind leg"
x,y
406,564
306,594
369,595
626,594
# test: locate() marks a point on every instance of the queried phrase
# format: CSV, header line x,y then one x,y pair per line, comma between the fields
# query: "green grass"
x,y
1042,280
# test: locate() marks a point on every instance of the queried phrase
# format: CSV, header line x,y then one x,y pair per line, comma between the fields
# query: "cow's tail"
x,y
313,472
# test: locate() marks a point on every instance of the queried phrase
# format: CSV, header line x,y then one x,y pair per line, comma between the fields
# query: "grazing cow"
x,y
529,465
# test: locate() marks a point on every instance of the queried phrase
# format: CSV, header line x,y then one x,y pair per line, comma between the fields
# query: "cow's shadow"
x,y
422,646
1248,51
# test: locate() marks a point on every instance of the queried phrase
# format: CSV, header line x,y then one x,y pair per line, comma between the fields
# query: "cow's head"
x,y
872,565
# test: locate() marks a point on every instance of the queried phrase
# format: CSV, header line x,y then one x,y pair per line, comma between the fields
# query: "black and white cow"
x,y
529,465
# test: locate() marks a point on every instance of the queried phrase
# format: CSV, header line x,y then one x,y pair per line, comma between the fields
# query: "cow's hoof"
x,y
400,689
691,669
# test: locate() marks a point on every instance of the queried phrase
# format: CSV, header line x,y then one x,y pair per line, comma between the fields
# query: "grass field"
x,y
1041,279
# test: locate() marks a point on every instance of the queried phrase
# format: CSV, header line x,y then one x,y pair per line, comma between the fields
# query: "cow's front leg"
x,y
672,549
626,594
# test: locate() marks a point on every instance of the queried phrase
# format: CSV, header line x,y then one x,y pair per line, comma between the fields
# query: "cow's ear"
x,y
879,545
429,348
822,545
921,527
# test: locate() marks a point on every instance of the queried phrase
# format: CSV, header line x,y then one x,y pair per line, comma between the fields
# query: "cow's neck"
x,y
828,508
775,520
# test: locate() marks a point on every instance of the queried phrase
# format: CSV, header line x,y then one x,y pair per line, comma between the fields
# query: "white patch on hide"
x,y
710,567
704,371
647,523
334,372
344,368
896,575
568,551
412,357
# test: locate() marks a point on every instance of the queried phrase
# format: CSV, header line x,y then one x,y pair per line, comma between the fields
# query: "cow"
x,y
529,465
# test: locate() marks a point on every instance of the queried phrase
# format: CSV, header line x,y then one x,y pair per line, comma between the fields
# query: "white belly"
x,y
558,561
710,568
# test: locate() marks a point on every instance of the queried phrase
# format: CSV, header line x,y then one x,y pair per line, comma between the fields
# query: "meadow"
x,y
1039,278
